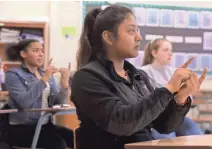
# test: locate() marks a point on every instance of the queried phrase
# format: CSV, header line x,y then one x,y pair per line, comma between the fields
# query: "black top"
x,y
114,111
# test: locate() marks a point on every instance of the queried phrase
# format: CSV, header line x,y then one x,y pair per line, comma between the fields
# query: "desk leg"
x,y
38,129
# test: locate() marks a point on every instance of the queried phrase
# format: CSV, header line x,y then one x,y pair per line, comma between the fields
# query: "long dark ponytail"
x,y
85,53
95,23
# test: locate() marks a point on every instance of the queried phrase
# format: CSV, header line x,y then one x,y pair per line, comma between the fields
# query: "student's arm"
x,y
172,117
97,101
18,92
61,96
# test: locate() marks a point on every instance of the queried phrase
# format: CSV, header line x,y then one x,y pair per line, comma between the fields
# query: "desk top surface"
x,y
62,109
192,141
50,109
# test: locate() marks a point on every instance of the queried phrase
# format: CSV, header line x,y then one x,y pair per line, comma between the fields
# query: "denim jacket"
x,y
25,91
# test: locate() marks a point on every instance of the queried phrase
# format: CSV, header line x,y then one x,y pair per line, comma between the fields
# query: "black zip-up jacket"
x,y
114,111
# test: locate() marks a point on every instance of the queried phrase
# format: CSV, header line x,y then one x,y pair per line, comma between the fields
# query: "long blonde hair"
x,y
150,46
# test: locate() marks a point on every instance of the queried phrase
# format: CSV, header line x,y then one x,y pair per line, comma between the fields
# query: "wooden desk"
x,y
188,142
60,111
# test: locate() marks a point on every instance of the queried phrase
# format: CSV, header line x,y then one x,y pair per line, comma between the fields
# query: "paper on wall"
x,y
194,40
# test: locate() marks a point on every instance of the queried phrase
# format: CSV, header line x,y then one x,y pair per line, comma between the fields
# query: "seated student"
x,y
31,87
157,57
115,102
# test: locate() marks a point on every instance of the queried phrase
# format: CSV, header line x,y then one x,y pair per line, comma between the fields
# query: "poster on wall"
x,y
152,37
193,19
179,59
205,62
68,32
193,39
206,20
207,42
140,14
166,18
180,19
152,17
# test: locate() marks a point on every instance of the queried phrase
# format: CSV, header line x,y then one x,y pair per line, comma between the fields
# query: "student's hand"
x,y
65,76
190,87
50,70
179,76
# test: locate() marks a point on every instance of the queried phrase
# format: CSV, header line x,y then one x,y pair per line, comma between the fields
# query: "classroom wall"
x,y
65,13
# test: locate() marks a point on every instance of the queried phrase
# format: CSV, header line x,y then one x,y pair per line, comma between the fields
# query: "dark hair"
x,y
95,23
13,50
150,46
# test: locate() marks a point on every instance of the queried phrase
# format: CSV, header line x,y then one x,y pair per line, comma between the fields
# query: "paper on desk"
x,y
61,106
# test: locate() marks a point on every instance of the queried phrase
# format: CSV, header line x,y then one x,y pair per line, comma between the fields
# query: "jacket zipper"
x,y
134,89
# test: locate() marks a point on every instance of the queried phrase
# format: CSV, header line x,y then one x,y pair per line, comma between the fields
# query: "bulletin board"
x,y
189,29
